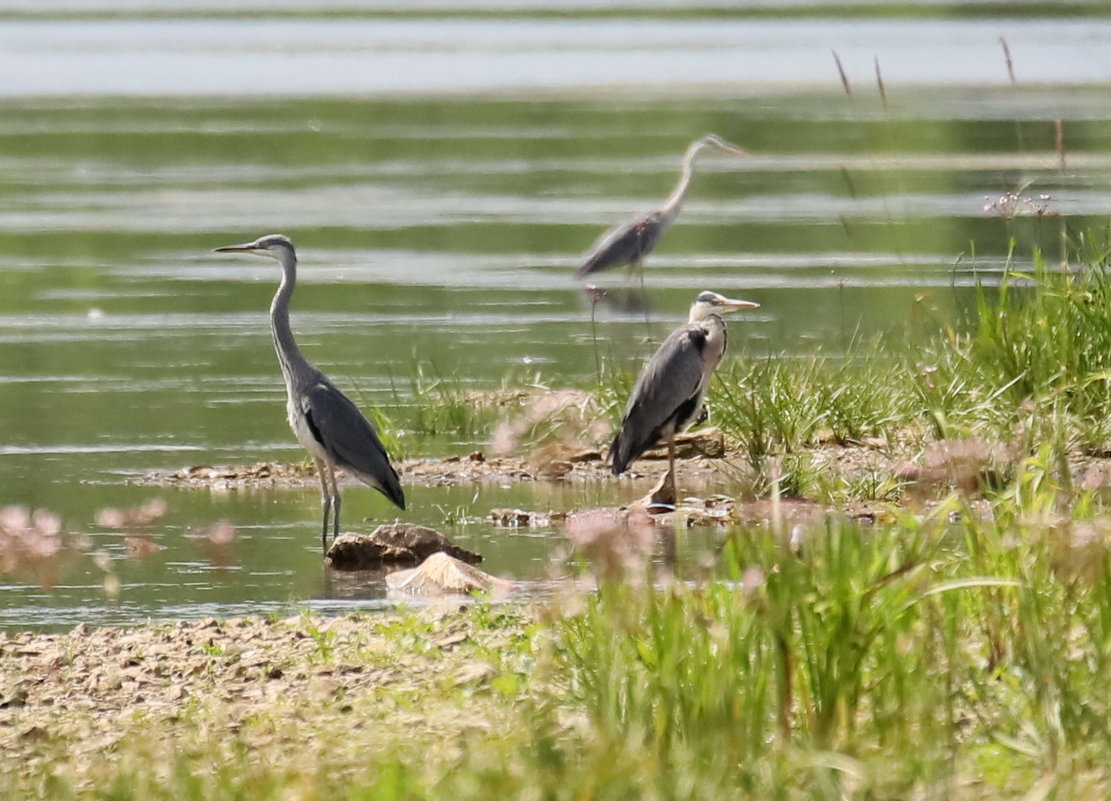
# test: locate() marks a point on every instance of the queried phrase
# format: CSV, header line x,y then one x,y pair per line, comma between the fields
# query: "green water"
x,y
438,232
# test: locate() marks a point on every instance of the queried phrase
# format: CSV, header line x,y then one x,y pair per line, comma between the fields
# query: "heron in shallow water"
x,y
668,394
630,243
326,422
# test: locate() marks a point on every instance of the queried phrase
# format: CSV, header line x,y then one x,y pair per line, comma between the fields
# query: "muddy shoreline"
x,y
917,475
67,701
703,456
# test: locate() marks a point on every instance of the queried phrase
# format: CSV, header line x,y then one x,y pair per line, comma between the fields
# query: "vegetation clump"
x,y
1030,369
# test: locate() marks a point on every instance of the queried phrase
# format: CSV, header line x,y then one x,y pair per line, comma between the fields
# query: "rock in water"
x,y
393,544
441,574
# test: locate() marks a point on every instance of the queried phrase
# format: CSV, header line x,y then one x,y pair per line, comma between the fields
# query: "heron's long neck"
x,y
289,355
715,326
675,200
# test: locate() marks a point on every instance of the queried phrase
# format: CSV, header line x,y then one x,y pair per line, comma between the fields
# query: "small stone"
x,y
450,640
555,469
474,673
14,699
441,574
1096,476
515,518
34,734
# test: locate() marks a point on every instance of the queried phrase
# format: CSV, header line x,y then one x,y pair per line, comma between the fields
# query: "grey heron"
x,y
668,394
326,421
630,243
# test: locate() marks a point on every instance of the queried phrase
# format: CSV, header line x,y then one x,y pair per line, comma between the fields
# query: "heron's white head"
x,y
708,303
276,246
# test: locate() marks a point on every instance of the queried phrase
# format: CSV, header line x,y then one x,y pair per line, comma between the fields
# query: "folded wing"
x,y
665,397
344,432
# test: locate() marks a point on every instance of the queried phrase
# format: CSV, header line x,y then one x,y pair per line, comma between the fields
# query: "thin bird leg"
x,y
322,470
671,466
335,504
663,495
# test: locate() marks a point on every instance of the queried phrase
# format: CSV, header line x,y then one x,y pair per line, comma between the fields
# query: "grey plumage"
x,y
627,244
631,242
325,421
669,392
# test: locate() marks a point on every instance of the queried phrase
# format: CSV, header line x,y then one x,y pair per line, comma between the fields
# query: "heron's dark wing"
x,y
624,245
340,427
665,395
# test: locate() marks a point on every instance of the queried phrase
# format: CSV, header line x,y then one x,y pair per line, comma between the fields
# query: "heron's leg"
x,y
322,470
335,508
663,495
671,465
335,498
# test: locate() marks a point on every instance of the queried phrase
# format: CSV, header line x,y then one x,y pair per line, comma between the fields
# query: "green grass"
x,y
928,659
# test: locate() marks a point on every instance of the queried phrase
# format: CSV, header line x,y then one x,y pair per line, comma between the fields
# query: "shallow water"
x,y
442,177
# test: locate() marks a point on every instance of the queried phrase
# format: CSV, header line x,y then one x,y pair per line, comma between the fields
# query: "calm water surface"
x,y
441,177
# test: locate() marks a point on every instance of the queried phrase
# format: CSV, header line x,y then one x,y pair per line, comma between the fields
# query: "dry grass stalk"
x,y
1007,58
841,72
879,82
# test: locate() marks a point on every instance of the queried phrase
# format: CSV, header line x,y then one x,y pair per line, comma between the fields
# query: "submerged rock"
x,y
393,544
517,518
441,574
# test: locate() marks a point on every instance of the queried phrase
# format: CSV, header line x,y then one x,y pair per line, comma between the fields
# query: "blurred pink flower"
x,y
221,534
135,516
615,540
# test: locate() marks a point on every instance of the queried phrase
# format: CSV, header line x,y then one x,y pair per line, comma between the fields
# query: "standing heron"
x,y
668,394
630,243
325,420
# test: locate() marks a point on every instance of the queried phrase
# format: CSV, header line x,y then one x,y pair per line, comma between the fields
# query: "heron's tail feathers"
x,y
631,441
623,452
383,478
591,265
391,488
617,463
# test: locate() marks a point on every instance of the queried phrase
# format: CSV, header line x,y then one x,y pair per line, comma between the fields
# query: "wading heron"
x,y
668,394
630,243
325,420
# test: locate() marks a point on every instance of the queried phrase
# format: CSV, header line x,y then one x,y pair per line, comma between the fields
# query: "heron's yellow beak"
x,y
735,304
246,247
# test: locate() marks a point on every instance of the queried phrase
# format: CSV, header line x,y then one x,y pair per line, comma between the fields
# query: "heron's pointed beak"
x,y
246,247
735,304
736,151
